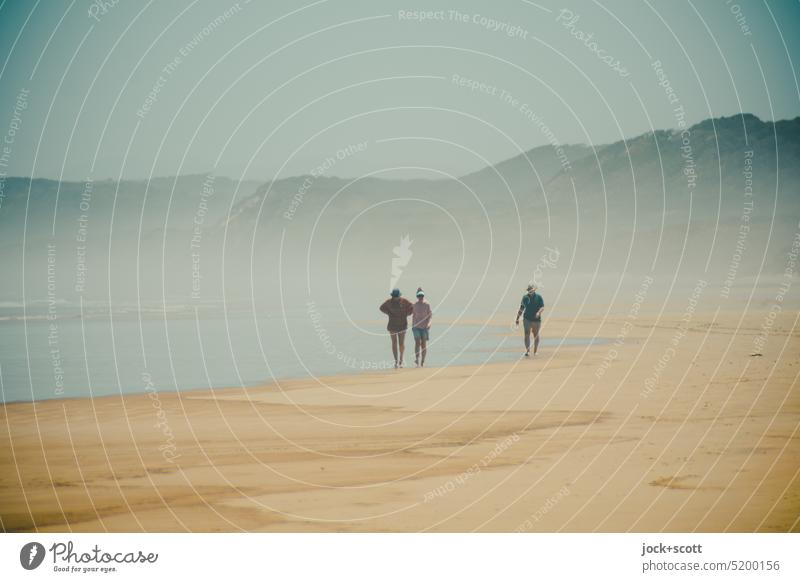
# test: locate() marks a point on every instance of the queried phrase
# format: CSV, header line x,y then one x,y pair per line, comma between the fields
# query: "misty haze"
x,y
364,267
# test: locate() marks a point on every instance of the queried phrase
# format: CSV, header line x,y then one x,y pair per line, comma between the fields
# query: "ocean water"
x,y
125,350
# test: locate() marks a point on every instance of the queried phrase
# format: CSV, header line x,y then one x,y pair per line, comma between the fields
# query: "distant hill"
x,y
630,197
638,206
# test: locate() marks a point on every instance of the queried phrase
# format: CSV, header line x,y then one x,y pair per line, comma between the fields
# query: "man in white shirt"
x,y
420,326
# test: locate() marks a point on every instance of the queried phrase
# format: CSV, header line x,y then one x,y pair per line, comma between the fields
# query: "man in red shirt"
x,y
398,309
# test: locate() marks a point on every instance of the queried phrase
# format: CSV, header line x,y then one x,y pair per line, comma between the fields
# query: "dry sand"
x,y
546,444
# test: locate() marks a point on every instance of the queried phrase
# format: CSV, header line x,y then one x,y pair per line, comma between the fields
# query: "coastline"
x,y
82,374
573,440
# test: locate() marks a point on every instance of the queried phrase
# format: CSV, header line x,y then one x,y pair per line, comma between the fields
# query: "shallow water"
x,y
100,355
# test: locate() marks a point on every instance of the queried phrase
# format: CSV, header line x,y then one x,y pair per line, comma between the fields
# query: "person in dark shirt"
x,y
398,309
531,308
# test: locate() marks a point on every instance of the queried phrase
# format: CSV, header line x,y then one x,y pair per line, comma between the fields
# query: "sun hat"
x,y
532,287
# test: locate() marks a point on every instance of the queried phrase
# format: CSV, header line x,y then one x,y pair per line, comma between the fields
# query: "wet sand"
x,y
580,438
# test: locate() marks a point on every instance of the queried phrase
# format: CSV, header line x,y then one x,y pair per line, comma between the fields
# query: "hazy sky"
x,y
259,89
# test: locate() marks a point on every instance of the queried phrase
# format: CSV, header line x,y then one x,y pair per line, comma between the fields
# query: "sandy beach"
x,y
581,438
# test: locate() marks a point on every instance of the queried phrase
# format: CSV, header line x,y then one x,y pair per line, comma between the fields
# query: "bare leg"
x,y
401,337
416,350
527,336
394,346
423,350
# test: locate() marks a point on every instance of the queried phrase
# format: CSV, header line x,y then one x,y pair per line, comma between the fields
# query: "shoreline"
x,y
567,441
500,331
288,380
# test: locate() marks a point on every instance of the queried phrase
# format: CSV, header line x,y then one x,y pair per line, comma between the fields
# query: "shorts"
x,y
531,326
421,333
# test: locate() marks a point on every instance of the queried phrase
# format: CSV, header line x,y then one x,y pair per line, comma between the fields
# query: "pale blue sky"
x,y
364,75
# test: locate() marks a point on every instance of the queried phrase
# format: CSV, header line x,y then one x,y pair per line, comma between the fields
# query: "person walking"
x,y
420,327
531,308
398,309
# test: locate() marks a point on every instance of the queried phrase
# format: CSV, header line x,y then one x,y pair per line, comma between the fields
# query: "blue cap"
x,y
395,292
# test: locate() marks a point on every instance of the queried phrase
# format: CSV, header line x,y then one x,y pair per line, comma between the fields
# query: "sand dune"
x,y
573,440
